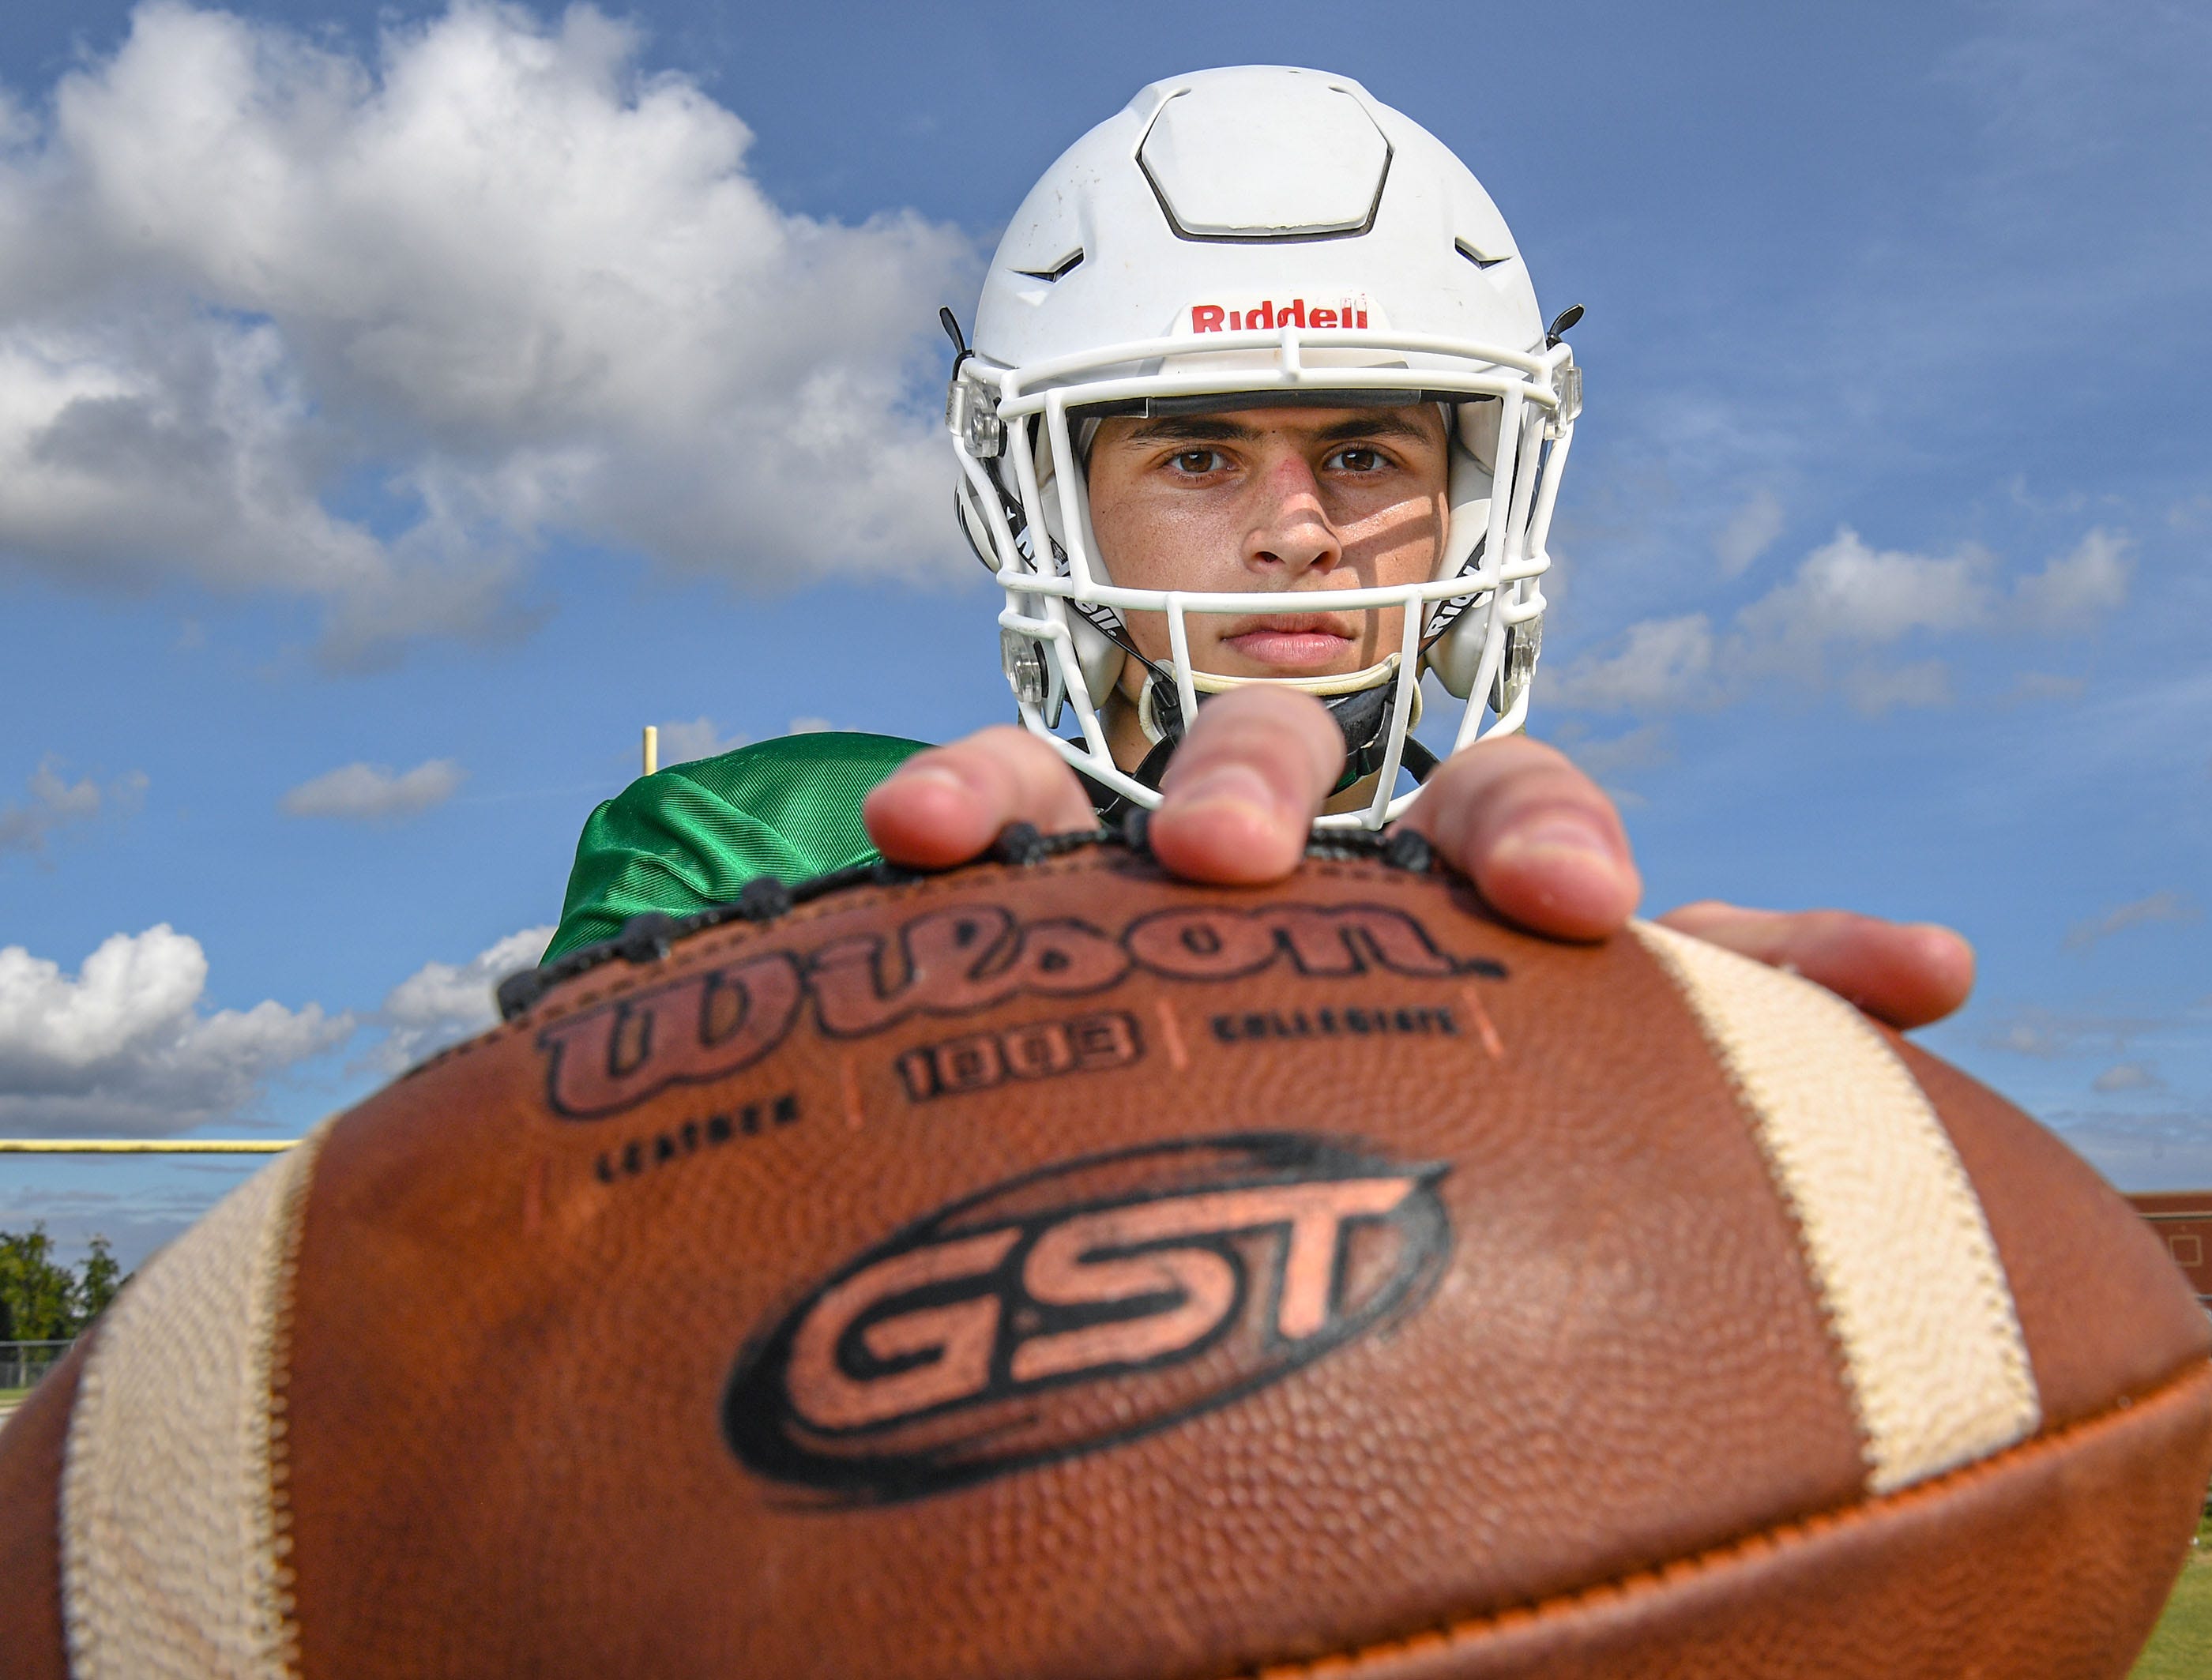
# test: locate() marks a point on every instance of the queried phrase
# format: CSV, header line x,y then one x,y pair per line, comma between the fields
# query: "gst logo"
x,y
971,1345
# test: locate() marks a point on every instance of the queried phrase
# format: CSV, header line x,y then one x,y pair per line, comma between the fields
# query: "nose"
x,y
1290,531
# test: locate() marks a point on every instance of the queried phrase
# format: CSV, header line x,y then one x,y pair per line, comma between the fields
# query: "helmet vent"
x,y
1258,154
1059,271
1476,257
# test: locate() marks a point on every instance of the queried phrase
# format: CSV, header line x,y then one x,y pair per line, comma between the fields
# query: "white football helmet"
x,y
1253,237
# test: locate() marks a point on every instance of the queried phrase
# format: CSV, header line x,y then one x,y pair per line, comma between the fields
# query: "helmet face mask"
x,y
1254,239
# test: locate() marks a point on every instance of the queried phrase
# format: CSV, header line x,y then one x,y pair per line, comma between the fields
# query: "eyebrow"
x,y
1200,429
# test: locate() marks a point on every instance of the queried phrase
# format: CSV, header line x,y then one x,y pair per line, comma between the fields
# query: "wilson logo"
x,y
1083,1305
713,1023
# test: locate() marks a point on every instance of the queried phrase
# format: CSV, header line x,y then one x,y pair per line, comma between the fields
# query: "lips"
x,y
1292,640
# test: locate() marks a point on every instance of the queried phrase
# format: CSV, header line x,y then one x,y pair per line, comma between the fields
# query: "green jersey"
x,y
695,834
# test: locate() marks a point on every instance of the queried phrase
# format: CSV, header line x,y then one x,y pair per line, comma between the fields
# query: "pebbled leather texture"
x,y
1056,1271
1622,1365
2092,1287
1901,1587
32,1446
1622,1362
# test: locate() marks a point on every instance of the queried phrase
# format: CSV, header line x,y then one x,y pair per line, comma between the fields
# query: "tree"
x,y
38,1296
99,1282
42,1300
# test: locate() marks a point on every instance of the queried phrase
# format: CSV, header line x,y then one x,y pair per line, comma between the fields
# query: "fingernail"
x,y
1562,838
1228,784
939,773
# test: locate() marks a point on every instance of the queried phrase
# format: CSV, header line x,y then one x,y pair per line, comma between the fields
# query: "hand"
x,y
1545,847
1537,836
1540,839
1904,973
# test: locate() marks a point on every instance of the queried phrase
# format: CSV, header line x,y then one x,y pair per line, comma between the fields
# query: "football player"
x,y
1260,433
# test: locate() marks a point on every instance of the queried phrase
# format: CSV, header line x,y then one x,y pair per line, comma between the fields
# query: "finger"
x,y
1242,790
1904,973
946,805
1540,841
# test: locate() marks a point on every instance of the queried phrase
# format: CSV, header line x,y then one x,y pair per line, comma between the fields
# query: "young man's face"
x,y
1274,501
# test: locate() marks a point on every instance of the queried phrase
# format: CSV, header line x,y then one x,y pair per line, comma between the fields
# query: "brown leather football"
x,y
1050,1270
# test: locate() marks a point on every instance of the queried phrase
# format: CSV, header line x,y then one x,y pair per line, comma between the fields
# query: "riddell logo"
x,y
1268,316
1083,1305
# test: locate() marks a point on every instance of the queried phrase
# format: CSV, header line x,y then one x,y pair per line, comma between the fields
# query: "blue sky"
x,y
454,392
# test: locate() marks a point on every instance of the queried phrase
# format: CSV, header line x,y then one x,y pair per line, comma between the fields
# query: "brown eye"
x,y
1359,457
1198,462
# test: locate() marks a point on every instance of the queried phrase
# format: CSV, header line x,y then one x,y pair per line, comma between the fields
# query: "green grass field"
x,y
2181,1649
9,1396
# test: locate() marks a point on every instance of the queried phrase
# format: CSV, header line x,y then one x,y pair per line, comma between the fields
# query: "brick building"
x,y
2184,1218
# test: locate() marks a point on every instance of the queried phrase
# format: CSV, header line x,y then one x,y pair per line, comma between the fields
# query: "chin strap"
x,y
1364,715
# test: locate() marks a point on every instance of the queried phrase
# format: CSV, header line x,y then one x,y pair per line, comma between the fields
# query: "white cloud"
x,y
124,1047
442,1003
811,726
2077,585
2050,1034
524,287
56,803
2128,1077
1830,621
1846,592
1658,664
1749,533
2164,905
1875,689
373,792
2026,1035
1639,749
682,743
2034,685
